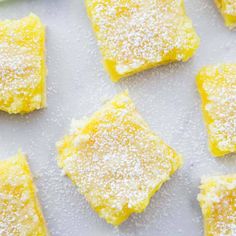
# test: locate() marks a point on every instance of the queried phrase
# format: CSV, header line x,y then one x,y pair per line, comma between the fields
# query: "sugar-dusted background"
x,y
77,85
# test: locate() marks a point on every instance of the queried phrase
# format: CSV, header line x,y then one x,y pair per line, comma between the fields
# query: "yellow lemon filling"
x,y
22,65
217,87
115,160
218,202
135,35
228,11
20,212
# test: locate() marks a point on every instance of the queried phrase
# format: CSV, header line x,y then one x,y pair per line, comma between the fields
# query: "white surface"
x,y
166,97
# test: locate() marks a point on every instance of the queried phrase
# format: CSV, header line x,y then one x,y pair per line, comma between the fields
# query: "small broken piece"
x,y
217,87
218,203
116,161
22,65
20,212
135,35
228,11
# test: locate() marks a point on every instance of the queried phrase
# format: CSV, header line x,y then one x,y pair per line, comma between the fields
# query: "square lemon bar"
x,y
228,11
22,65
20,212
217,87
135,35
218,202
115,160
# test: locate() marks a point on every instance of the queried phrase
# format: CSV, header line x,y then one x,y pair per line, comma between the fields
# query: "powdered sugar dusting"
x,y
166,97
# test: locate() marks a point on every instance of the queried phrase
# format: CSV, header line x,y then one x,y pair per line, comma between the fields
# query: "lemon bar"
x,y
217,87
20,212
135,35
115,160
218,202
22,65
228,11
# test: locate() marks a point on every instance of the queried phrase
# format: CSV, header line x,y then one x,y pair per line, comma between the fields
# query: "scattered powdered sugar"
x,y
19,211
166,96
